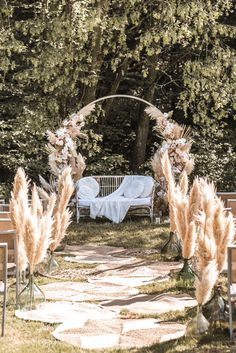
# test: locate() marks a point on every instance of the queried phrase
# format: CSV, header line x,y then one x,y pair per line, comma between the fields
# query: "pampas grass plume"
x,y
153,112
156,165
206,282
183,183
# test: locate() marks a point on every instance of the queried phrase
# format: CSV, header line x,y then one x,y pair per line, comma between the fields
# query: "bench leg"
x,y
77,214
230,320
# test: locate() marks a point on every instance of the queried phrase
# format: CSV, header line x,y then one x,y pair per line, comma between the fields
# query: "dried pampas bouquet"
x,y
183,208
176,146
61,214
62,144
18,204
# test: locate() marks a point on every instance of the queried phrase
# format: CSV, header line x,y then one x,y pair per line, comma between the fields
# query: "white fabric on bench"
x,y
115,206
144,201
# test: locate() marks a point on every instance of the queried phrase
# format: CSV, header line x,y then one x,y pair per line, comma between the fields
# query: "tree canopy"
x,y
59,55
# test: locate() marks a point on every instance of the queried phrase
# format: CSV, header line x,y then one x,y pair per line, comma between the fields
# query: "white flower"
x,y
168,129
61,132
59,142
66,122
164,147
69,142
181,142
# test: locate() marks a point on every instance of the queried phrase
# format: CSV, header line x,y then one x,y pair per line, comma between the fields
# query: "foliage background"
x,y
58,55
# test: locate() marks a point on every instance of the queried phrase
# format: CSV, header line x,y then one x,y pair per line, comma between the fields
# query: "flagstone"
x,y
91,250
58,312
118,333
135,274
83,291
152,304
96,258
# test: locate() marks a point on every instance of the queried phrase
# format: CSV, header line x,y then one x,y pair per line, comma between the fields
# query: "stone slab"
x,y
87,250
59,312
83,291
118,333
134,274
152,304
100,259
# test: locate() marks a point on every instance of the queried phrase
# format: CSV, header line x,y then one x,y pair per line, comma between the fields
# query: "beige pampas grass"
x,y
19,200
77,164
167,171
61,214
223,232
183,183
87,110
37,231
206,282
154,112
156,165
215,233
189,166
32,224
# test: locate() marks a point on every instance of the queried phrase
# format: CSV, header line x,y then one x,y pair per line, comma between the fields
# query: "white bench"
x,y
113,192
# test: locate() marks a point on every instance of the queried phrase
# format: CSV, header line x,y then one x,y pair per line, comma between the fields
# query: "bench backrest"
x,y
108,184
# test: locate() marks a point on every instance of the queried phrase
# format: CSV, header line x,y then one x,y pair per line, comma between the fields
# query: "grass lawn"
x,y
34,337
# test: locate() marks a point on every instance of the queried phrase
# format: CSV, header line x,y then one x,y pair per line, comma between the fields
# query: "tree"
x,y
58,55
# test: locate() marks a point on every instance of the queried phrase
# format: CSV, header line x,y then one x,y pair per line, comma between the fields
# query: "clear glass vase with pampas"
x,y
215,231
36,237
183,208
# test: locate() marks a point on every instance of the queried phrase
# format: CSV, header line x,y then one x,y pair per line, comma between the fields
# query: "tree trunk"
x,y
115,85
142,129
96,54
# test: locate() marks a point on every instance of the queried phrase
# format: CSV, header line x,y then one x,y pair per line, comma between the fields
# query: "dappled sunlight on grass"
x,y
129,235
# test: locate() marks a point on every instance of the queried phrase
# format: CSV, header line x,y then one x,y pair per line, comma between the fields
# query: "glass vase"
x,y
49,265
31,296
217,308
198,325
172,246
52,264
186,275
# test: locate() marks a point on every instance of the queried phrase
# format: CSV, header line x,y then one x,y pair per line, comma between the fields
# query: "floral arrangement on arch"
x,y
62,144
176,141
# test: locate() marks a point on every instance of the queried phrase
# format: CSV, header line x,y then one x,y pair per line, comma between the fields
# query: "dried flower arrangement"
x,y
176,141
177,144
62,144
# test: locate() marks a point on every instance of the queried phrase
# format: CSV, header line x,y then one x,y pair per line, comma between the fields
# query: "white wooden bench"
x,y
112,185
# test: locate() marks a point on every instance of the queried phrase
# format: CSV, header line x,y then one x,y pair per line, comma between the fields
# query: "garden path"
x,y
112,288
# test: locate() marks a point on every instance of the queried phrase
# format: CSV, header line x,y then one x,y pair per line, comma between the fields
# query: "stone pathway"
x,y
112,285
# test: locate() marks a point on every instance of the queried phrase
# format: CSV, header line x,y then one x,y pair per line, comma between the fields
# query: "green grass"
x,y
35,337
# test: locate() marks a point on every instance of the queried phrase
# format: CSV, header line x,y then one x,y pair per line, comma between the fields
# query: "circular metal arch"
x,y
120,96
